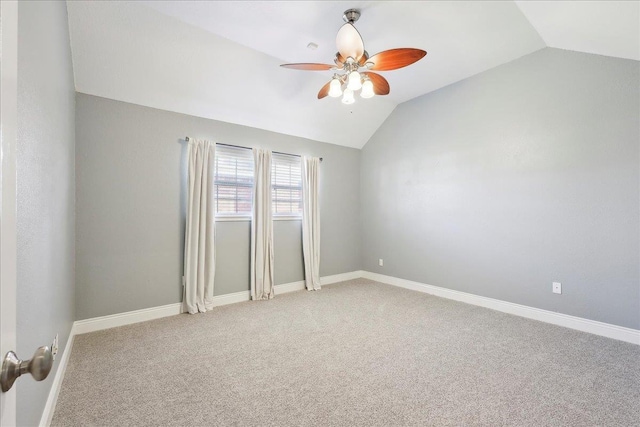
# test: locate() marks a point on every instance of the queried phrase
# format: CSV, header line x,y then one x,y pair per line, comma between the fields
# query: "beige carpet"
x,y
355,353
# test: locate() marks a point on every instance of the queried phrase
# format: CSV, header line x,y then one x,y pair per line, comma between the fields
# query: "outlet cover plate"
x,y
557,288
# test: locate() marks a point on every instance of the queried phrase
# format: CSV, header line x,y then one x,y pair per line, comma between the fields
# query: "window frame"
x,y
289,216
232,217
227,216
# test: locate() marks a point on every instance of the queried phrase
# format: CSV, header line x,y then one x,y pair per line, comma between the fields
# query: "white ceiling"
x,y
602,27
220,60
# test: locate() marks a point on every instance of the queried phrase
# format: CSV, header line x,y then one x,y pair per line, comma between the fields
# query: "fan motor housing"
x,y
351,15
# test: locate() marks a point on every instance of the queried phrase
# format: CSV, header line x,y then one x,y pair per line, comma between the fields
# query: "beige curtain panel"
x,y
262,228
199,247
311,222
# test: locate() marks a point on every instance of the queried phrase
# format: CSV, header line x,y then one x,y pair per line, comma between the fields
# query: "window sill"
x,y
248,218
287,218
233,218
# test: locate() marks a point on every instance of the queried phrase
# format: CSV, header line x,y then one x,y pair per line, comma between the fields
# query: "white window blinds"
x,y
286,184
233,180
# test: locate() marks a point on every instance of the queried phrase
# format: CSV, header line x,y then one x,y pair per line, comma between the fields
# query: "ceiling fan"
x,y
352,57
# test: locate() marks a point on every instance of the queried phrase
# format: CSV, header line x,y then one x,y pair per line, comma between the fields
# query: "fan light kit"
x,y
351,58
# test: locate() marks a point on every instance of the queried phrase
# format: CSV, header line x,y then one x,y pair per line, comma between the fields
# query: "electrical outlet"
x,y
380,262
54,347
557,288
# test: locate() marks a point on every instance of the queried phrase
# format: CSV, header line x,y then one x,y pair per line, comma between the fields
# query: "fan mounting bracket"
x,y
351,15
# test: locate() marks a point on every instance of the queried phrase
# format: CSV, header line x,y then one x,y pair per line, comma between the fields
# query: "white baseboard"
x,y
233,298
246,295
325,280
289,287
121,319
578,323
336,278
50,405
130,317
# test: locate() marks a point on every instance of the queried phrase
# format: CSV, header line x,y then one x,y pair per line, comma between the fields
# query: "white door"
x,y
8,125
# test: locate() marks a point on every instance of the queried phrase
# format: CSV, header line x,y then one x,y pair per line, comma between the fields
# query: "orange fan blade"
x,y
339,60
349,42
380,84
309,67
324,91
363,59
395,58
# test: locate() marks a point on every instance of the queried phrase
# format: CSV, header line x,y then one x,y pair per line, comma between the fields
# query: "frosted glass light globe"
x,y
334,88
355,82
348,97
367,89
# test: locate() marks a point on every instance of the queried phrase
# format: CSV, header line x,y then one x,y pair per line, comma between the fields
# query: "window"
x,y
233,181
286,184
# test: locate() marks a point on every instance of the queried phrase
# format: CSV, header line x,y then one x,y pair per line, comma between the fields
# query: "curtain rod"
x,y
186,138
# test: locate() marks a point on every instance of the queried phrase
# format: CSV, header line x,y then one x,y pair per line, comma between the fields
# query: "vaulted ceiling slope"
x,y
220,60
610,28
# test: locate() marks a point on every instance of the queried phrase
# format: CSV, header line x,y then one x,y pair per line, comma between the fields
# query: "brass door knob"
x,y
38,366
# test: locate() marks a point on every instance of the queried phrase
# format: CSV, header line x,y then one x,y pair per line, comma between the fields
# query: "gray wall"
x,y
45,204
131,172
505,182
